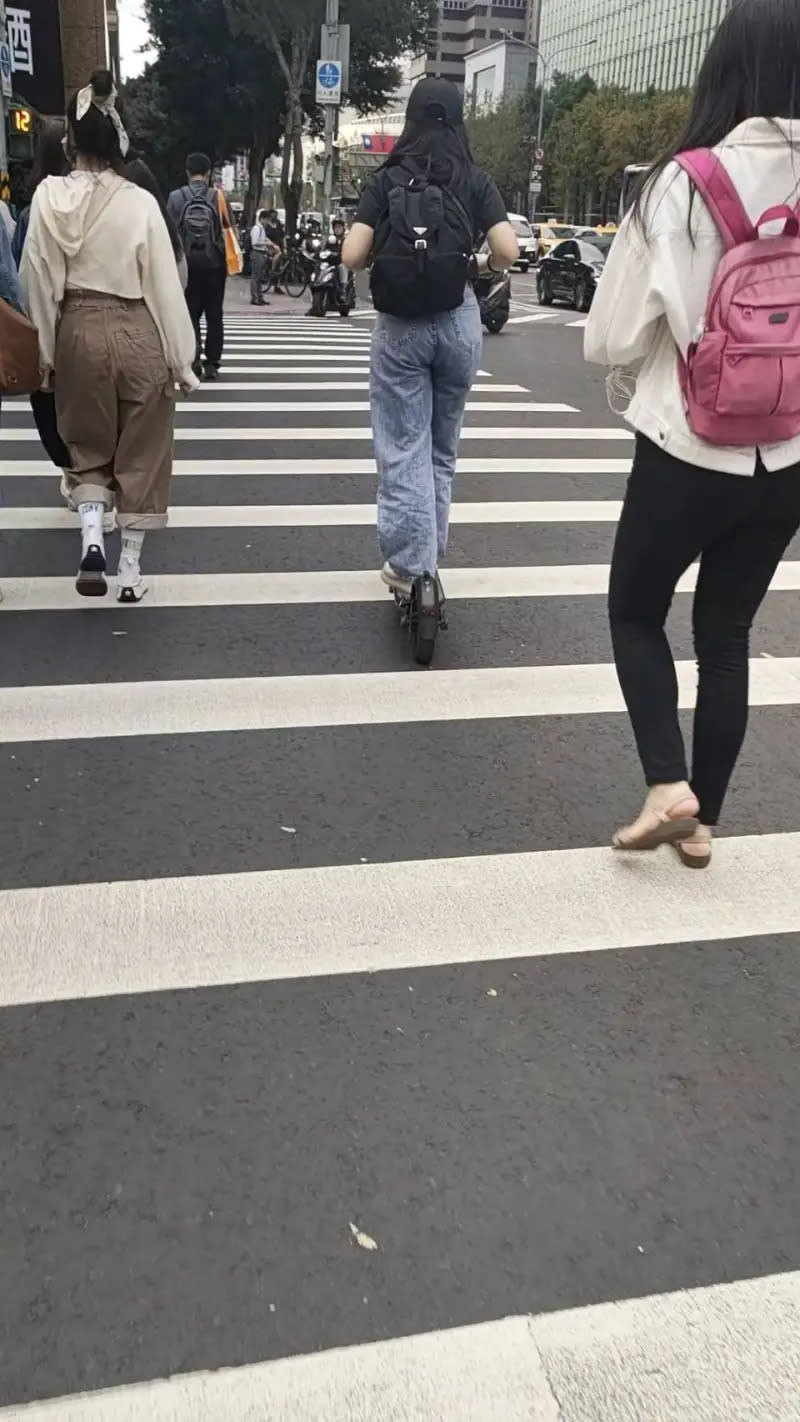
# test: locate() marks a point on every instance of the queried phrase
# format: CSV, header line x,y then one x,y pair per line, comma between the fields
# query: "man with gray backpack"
x,y
195,209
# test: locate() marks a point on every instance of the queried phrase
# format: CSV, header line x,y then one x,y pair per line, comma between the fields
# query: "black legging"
x,y
739,526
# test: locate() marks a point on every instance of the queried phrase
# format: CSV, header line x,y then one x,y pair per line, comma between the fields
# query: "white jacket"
x,y
653,293
98,232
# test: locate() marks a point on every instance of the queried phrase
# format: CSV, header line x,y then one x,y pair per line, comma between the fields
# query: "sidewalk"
x,y
237,298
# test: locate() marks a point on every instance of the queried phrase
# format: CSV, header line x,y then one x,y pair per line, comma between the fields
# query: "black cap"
x,y
436,98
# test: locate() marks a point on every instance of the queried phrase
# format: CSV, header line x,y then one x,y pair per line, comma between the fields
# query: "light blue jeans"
x,y
421,375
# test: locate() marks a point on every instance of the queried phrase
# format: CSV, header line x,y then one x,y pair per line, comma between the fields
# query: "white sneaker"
x,y
127,593
394,581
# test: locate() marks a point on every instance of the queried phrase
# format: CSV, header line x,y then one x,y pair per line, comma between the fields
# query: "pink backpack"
x,y
741,377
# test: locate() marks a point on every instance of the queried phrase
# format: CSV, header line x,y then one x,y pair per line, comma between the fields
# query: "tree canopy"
x,y
234,76
590,135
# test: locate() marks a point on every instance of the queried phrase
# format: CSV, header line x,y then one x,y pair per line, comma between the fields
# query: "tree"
x,y
591,144
205,91
382,30
501,143
503,137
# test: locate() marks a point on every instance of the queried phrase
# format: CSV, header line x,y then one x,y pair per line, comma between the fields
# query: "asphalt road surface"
x,y
338,1052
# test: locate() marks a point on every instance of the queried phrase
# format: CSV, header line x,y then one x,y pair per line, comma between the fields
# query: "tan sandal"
x,y
695,852
655,827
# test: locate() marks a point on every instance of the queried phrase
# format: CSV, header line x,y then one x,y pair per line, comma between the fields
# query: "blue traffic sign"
x,y
5,61
330,75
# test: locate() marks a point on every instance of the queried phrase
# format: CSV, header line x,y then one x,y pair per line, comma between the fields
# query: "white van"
x,y
526,239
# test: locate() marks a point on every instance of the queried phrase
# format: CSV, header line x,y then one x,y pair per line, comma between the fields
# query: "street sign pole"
x,y
330,52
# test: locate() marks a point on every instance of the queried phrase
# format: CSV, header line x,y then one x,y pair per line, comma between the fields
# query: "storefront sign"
x,y
34,39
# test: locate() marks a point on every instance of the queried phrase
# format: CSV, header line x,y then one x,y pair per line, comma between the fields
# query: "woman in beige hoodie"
x,y
115,337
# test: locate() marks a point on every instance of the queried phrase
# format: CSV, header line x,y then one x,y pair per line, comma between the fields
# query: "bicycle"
x,y
291,273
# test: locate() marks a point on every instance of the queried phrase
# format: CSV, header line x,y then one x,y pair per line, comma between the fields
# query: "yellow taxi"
x,y
550,233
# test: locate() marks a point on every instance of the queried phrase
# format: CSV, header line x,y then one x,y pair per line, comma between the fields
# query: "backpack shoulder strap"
x,y
716,188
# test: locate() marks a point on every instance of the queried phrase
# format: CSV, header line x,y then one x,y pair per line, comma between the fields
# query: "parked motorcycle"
x,y
332,287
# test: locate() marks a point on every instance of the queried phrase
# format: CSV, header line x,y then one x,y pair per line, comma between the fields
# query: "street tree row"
x,y
590,136
237,76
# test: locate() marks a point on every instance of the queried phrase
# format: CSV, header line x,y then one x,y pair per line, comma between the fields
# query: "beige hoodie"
x,y
98,232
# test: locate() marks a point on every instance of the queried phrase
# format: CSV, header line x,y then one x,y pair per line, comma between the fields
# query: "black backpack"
x,y
423,250
200,229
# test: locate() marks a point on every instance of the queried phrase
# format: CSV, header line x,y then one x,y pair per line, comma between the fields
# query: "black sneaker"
x,y
91,579
212,372
198,369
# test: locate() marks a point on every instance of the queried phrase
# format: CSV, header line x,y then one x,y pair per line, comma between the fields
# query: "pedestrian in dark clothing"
x,y
195,210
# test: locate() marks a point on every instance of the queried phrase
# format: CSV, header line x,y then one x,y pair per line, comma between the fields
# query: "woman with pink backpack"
x,y
700,301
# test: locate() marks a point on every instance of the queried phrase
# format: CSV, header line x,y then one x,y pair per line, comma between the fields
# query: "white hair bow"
x,y
107,105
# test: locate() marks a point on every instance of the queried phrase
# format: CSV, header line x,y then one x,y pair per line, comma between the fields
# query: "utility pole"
x,y
331,114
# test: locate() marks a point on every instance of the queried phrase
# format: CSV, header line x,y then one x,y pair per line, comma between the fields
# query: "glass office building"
x,y
638,44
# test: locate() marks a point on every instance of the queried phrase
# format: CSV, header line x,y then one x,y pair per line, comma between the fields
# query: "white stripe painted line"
x,y
341,407
314,365
223,387
332,515
723,1351
219,468
523,320
578,325
322,367
215,705
268,589
204,930
357,434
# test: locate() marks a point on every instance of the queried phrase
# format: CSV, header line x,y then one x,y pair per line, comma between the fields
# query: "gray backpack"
x,y
200,229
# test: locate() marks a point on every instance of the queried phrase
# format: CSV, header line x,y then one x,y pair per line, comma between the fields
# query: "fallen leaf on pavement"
x,y
365,1240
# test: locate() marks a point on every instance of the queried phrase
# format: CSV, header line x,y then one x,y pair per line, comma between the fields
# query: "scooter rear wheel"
x,y
425,617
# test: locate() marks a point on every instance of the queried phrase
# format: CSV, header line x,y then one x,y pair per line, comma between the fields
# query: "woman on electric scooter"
x,y
423,364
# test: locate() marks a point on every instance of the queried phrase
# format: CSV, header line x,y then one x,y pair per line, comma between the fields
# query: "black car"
x,y
571,271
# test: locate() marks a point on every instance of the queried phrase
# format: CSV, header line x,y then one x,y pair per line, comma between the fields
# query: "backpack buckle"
x,y
420,247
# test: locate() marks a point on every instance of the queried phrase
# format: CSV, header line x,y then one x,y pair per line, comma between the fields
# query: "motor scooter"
x,y
332,287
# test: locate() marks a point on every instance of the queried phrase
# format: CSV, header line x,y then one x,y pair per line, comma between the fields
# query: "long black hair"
x,y
750,71
441,148
94,135
49,160
138,172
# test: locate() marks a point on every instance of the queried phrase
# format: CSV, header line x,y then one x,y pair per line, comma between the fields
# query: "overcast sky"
x,y
133,34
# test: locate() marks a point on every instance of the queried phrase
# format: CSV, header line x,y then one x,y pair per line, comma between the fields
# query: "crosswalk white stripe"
x,y
315,367
198,931
218,469
250,589
353,365
332,515
199,706
360,433
666,1356
333,407
220,390
239,348
535,316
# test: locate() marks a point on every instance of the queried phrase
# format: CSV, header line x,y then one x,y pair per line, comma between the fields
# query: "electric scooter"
x,y
422,614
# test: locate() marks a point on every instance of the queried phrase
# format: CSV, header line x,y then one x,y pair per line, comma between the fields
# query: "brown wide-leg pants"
x,y
115,407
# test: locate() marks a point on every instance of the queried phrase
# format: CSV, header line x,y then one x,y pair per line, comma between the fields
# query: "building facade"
x,y
466,26
637,44
496,74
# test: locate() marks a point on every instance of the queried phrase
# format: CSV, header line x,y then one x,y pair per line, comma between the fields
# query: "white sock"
x,y
91,516
130,573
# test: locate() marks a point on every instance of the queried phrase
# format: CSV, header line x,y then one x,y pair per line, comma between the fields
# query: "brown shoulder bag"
x,y
20,372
